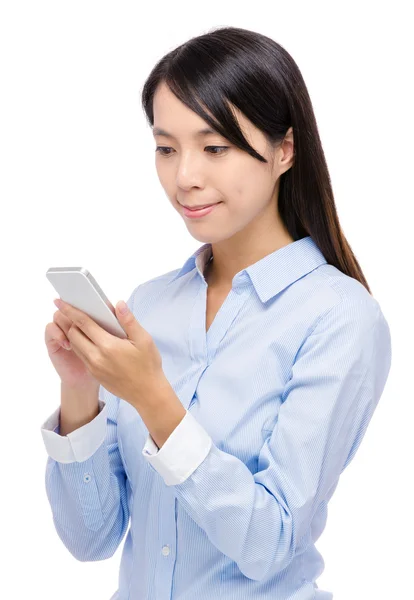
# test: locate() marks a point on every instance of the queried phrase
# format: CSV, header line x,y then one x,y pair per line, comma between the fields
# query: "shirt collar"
x,y
271,274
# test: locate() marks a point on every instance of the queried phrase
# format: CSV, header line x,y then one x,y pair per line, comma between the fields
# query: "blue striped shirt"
x,y
278,392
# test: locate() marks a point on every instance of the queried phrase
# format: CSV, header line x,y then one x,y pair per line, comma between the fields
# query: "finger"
x,y
81,345
61,321
88,326
53,333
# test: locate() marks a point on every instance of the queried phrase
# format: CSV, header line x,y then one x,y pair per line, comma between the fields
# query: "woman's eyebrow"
x,y
201,132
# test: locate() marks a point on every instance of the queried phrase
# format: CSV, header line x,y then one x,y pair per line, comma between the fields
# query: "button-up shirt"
x,y
278,395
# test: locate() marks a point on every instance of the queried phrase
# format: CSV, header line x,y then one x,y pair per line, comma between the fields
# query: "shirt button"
x,y
86,477
165,550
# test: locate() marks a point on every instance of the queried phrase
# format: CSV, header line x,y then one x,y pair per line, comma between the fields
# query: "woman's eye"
x,y
161,149
218,148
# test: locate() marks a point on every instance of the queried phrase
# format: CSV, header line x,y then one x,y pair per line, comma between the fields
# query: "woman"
x,y
270,339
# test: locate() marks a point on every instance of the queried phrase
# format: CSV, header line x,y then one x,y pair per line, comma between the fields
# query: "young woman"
x,y
220,427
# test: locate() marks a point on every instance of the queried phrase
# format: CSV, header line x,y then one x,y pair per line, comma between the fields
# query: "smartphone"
x,y
76,286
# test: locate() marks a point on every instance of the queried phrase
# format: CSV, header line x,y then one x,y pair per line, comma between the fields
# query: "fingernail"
x,y
67,345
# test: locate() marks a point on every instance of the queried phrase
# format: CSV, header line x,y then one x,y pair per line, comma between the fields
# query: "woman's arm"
x,y
258,520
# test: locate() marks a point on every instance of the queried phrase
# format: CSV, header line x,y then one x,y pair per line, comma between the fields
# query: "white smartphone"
x,y
76,286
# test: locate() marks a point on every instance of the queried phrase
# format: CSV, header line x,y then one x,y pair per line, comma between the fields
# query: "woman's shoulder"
x,y
159,280
145,294
348,298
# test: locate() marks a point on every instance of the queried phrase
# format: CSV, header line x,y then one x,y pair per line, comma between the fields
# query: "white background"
x,y
79,188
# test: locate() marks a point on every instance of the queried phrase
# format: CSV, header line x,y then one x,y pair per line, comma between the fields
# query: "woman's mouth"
x,y
201,212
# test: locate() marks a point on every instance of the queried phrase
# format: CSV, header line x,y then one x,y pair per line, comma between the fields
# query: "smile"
x,y
196,214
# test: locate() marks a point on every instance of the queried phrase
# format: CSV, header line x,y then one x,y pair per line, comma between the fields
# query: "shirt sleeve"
x,y
185,448
258,519
88,495
85,481
80,444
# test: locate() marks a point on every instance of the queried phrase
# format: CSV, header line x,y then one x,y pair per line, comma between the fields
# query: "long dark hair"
x,y
260,78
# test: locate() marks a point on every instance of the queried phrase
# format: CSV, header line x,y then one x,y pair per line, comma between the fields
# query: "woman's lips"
x,y
198,207
195,214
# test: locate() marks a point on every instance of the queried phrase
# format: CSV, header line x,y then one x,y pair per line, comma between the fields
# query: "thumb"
x,y
127,320
121,308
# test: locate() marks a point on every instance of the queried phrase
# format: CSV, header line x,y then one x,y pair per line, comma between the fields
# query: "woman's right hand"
x,y
70,368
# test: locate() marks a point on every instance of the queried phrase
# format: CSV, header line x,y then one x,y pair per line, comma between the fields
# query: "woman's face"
x,y
197,169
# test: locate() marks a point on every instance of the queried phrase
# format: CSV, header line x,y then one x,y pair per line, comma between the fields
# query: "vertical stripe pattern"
x,y
285,382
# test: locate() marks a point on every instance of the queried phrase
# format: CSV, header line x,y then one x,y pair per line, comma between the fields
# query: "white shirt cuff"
x,y
80,444
180,455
